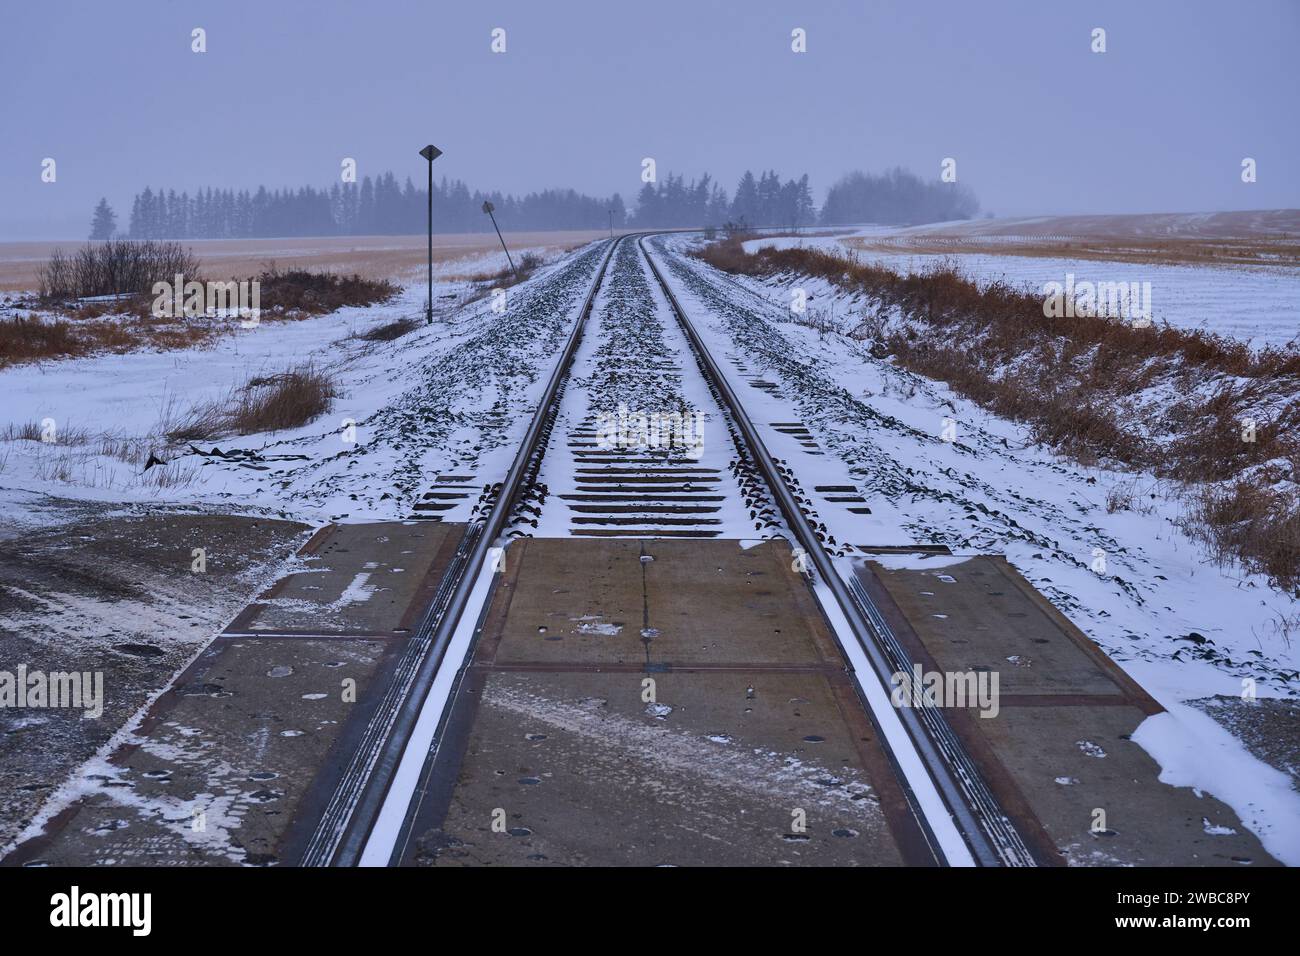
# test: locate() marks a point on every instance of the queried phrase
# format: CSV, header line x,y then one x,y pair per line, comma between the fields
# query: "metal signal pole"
x,y
430,153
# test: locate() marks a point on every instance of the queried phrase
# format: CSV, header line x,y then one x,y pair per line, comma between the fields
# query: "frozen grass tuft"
x,y
283,400
389,331
1251,523
287,400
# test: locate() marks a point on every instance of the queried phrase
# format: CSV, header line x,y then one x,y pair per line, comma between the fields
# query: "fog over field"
x,y
583,92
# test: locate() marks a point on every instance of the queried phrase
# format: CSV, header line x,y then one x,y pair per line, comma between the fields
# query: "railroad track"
x,y
640,434
644,449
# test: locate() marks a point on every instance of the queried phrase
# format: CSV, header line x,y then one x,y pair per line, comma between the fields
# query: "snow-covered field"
x,y
1258,306
423,403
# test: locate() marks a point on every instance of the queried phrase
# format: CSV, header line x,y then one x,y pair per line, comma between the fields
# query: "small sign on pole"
x,y
490,209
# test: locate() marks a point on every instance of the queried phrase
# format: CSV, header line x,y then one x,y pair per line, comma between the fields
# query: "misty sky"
x,y
1036,121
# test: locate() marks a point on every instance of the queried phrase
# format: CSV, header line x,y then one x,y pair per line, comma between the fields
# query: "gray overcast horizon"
x,y
1037,122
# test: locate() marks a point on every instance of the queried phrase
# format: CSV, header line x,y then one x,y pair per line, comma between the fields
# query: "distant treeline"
x,y
764,201
382,206
896,198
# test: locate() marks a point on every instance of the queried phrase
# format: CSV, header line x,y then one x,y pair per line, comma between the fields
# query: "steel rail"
x,y
988,832
352,809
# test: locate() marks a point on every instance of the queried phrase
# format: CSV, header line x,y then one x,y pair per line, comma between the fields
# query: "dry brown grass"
x,y
77,456
274,402
525,266
203,421
1007,316
483,284
285,400
304,292
1079,384
27,339
37,338
1251,523
34,431
388,331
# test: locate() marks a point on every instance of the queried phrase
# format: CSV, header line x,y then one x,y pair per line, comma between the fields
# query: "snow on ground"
x,y
1183,627
1258,306
1194,750
438,398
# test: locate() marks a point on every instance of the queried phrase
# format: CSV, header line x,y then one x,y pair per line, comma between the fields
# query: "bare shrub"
x,y
819,320
1129,495
115,267
1120,497
55,279
869,328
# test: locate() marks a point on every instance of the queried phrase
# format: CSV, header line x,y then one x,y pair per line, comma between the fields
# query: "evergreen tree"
x,y
148,216
718,207
104,222
366,218
136,225
805,208
745,208
769,200
647,206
